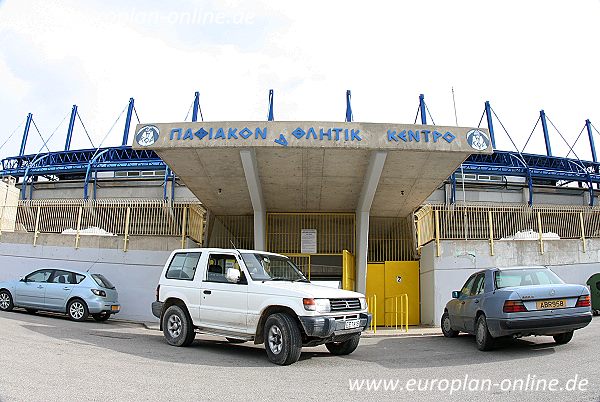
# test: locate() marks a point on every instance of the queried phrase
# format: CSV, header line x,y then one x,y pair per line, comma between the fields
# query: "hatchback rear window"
x,y
102,281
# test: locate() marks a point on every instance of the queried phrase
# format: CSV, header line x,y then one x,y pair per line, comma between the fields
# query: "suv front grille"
x,y
344,304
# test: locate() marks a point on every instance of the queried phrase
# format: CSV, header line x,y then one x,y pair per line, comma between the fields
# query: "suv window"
x,y
39,276
218,265
183,266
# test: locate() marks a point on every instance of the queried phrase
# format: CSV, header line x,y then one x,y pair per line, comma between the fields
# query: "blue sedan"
x,y
516,302
78,294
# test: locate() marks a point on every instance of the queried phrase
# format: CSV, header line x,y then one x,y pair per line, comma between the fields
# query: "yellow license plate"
x,y
114,308
551,304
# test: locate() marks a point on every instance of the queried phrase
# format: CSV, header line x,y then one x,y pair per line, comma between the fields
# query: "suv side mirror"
x,y
232,275
456,294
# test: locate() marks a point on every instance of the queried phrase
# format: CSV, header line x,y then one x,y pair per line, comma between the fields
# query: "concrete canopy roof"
x,y
310,166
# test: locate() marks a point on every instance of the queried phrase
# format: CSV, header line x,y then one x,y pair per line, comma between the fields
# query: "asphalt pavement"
x,y
49,358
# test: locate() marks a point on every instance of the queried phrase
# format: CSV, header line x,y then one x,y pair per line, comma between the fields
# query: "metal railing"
x,y
398,306
506,222
335,232
390,239
109,217
372,308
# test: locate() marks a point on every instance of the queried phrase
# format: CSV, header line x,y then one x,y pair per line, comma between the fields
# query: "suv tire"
x,y
483,338
447,326
343,348
177,327
563,338
283,340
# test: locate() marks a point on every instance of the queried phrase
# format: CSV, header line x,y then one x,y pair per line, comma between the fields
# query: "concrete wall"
x,y
513,194
135,272
459,259
9,197
107,188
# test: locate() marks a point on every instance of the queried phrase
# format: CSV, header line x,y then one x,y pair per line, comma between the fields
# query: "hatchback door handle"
x,y
207,292
476,300
65,288
40,287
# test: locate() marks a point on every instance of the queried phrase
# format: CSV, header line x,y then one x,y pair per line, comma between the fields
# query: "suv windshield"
x,y
265,267
102,281
526,277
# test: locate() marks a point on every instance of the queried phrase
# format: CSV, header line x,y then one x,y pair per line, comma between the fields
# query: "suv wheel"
x,y
483,338
563,338
447,326
177,327
77,310
283,340
343,348
6,301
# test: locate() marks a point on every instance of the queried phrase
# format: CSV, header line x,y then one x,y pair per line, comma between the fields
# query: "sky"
x,y
522,56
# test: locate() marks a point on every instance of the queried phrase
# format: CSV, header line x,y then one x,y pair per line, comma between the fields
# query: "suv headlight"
x,y
363,303
318,305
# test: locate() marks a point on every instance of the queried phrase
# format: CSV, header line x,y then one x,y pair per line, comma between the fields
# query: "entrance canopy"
x,y
237,168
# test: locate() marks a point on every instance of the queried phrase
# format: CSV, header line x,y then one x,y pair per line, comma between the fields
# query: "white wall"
x,y
459,259
135,273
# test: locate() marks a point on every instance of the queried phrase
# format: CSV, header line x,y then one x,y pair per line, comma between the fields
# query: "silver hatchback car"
x,y
78,294
516,302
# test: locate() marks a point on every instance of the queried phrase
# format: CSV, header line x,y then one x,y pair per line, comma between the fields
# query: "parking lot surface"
x,y
49,358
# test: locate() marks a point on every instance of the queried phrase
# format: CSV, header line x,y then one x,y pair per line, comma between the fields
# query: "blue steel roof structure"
x,y
124,158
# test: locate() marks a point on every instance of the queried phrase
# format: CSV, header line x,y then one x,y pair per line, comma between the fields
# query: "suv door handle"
x,y
476,301
207,292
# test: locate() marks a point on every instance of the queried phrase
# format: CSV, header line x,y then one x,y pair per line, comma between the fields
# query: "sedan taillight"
x,y
583,301
514,306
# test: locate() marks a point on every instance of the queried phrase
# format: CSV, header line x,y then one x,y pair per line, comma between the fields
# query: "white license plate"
x,y
352,324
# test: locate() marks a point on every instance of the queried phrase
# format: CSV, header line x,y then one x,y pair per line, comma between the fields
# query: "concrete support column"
x,y
362,240
248,157
363,209
525,195
260,230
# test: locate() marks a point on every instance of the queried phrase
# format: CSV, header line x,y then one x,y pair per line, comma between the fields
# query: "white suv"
x,y
247,295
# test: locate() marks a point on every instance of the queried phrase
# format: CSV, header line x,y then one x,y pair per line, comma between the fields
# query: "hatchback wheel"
x,y
483,338
6,301
101,317
77,310
447,326
561,339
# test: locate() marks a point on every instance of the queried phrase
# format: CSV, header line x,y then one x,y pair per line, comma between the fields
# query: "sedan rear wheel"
x,y
561,339
483,338
77,310
6,301
447,326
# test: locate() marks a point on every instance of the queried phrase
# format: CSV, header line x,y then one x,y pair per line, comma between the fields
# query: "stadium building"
x,y
401,212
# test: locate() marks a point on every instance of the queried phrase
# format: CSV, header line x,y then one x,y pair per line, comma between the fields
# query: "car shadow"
x,y
438,351
388,352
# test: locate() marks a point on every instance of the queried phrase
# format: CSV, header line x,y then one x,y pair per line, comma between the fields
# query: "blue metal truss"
x,y
534,167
